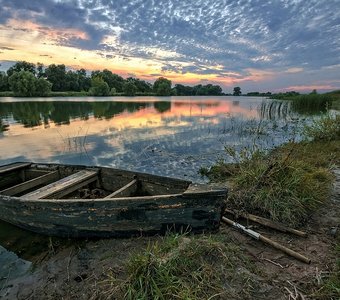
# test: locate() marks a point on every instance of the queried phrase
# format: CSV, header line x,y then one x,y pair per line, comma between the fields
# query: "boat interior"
x,y
33,181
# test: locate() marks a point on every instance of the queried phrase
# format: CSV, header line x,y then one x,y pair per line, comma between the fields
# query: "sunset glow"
x,y
289,45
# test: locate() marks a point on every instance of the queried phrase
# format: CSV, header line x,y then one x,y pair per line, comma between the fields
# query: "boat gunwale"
x,y
219,192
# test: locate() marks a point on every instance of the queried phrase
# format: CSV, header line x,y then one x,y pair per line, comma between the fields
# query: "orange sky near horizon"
x,y
36,43
33,42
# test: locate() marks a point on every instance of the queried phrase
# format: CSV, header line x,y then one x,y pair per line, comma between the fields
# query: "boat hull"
x,y
115,218
45,198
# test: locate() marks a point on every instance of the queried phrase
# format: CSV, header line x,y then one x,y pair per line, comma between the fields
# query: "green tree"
x,y
142,86
183,90
162,87
72,80
21,66
56,74
40,70
113,80
99,87
84,80
129,89
4,86
237,91
22,84
42,87
25,84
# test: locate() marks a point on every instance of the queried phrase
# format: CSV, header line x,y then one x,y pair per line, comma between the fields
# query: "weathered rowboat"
x,y
80,201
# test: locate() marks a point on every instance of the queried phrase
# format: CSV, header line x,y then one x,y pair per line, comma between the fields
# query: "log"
x,y
266,240
269,223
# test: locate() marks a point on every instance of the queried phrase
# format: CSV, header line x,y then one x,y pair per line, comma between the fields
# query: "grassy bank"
x,y
289,183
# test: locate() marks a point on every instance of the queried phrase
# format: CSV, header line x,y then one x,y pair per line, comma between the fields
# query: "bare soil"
x,y
77,271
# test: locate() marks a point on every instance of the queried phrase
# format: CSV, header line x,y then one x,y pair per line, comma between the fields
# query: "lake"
x,y
169,136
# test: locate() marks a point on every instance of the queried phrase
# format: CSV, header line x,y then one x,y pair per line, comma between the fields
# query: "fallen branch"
x,y
266,240
269,223
274,263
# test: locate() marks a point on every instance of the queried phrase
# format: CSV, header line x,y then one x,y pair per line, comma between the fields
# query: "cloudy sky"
x,y
259,45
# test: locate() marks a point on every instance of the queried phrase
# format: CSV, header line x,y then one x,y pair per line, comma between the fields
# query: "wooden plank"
x,y
63,186
125,191
13,167
22,187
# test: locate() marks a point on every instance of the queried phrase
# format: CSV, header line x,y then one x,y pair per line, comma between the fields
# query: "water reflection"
x,y
166,136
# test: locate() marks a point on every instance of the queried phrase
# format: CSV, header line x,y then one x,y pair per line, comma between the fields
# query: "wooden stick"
x,y
266,240
269,223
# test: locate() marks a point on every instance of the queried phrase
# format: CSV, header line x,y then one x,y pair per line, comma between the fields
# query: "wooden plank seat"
x,y
30,184
125,191
13,167
63,186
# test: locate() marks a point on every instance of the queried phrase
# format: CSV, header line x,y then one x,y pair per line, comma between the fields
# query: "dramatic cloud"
x,y
210,39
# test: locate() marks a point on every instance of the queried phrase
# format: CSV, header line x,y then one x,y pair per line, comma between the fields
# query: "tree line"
x,y
26,79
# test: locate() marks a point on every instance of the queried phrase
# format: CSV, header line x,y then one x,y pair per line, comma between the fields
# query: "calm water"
x,y
172,136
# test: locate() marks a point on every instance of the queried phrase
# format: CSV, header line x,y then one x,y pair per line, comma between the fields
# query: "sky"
x,y
259,45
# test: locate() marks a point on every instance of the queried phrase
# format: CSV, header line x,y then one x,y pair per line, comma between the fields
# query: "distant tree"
x,y
215,90
142,86
72,81
56,74
237,91
21,66
129,89
113,80
25,84
40,70
162,87
22,83
183,90
42,87
113,92
83,80
4,86
99,87
314,92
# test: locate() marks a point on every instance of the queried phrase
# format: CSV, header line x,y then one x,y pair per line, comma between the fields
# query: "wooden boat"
x,y
80,201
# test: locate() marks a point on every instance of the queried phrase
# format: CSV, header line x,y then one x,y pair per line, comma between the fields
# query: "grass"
x,y
183,267
289,183
309,103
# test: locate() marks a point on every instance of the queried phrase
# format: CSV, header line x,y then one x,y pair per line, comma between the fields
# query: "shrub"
x,y
327,128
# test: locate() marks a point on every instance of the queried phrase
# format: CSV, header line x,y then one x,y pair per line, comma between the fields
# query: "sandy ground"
x,y
75,272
